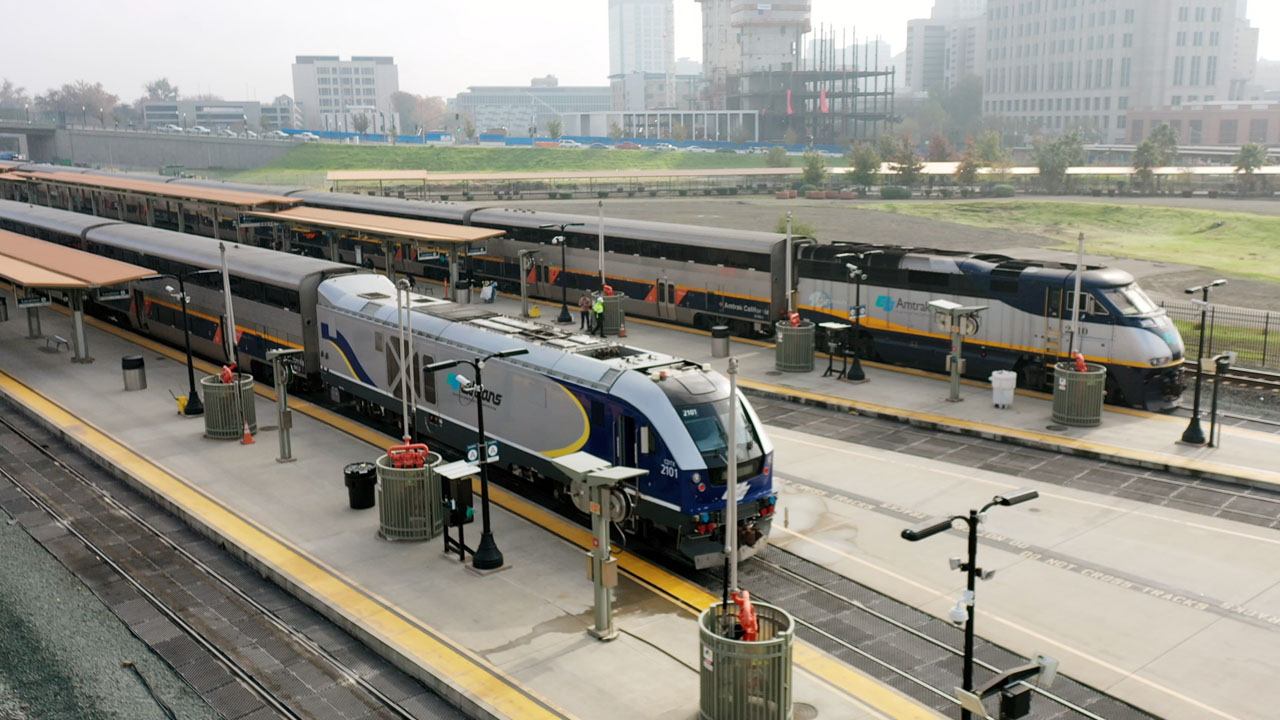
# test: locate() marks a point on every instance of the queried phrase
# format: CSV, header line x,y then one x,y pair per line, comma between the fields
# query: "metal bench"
x,y
56,342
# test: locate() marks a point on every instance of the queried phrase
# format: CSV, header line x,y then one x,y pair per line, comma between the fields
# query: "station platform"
x,y
511,644
1126,436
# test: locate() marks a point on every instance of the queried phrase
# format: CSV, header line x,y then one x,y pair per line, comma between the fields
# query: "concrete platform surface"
x,y
512,644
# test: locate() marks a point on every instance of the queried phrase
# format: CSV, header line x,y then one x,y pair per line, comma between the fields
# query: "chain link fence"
x,y
1253,334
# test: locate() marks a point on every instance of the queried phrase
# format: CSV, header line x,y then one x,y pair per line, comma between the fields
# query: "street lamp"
x,y
84,116
1194,434
963,611
560,240
857,274
193,406
27,109
487,556
102,118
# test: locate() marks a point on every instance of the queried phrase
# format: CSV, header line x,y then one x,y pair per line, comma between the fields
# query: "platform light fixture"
x,y
1194,434
194,406
487,556
564,317
964,609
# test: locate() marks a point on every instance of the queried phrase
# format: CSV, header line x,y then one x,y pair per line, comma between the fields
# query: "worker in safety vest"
x,y
598,309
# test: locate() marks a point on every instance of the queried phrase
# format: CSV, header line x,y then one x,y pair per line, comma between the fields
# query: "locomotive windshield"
x,y
1130,300
708,426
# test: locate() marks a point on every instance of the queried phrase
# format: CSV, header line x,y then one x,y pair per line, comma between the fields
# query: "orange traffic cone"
x,y
622,328
248,436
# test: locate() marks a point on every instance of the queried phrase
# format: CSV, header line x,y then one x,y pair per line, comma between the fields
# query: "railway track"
x,y
251,639
1261,379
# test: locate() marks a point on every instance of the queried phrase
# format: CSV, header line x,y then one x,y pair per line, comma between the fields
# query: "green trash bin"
x,y
222,419
794,346
410,502
614,313
741,680
1077,396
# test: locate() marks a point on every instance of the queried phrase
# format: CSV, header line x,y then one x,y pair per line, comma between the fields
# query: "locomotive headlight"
x,y
696,478
1162,360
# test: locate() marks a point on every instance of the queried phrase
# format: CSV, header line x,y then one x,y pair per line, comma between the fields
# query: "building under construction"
x,y
755,59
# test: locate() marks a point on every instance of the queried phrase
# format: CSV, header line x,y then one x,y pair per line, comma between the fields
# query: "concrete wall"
x,y
153,150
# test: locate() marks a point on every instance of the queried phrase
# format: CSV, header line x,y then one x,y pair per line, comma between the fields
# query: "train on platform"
x,y
569,393
704,276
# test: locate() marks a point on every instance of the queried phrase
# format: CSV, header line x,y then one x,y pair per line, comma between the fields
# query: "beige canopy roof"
x,y
35,263
381,225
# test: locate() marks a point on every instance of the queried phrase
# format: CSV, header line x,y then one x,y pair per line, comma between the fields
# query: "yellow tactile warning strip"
x,y
1076,445
859,687
473,676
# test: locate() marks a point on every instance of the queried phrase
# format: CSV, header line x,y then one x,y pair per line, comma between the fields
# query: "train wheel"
x,y
1115,395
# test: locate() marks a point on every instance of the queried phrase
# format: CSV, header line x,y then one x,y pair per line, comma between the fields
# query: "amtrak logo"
x,y
885,302
466,388
888,304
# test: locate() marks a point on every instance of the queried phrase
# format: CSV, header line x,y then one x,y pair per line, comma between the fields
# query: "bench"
x,y
56,342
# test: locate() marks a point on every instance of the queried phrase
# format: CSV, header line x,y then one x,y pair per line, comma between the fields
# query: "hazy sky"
x,y
242,49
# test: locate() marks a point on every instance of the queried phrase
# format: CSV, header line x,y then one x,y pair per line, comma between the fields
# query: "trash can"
x,y
360,479
1077,396
745,680
614,314
1003,383
462,291
410,500
134,369
221,411
794,346
720,341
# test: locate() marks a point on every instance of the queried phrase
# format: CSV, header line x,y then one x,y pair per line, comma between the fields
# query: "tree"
x,y
360,123
790,137
798,228
815,168
1249,159
555,128
1165,141
1145,160
939,149
1054,157
865,162
679,133
777,157
887,147
991,150
12,96
160,89
907,163
969,165
418,111
469,129
77,99
615,131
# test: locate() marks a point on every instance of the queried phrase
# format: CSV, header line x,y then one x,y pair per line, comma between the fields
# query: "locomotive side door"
x,y
666,299
1051,337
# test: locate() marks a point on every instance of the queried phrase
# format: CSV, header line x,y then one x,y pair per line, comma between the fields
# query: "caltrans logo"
x,y
466,388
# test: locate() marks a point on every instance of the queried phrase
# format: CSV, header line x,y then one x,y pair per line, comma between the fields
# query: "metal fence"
x,y
1246,331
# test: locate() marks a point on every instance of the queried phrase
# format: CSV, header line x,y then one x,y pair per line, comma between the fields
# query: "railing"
x,y
1246,331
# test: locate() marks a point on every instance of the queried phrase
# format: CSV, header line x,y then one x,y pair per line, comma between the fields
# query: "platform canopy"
x,y
159,190
437,236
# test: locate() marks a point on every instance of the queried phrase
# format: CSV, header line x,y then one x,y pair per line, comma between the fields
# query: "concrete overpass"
x,y
135,149
34,140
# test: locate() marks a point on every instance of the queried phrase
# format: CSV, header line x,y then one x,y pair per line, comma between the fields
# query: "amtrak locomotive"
x,y
570,392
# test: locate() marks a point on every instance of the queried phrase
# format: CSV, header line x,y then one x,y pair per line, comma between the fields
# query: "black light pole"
x,y
564,317
965,609
193,406
1194,434
857,274
487,556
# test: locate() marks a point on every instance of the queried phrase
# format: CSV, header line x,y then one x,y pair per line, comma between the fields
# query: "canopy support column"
x,y
217,222
182,219
386,253
149,212
79,344
453,275
33,323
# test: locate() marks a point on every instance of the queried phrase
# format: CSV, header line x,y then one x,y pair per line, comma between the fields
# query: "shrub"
x,y
653,193
444,197
966,192
602,193
807,188
946,193
1003,191
683,193
895,192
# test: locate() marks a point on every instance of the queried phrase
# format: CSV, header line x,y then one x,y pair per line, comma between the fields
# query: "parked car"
x,y
664,146
698,149
726,150
567,143
249,134
199,130
307,137
225,132
627,145
276,135
598,146
170,128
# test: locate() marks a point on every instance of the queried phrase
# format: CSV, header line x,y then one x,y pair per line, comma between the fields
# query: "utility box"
x,y
794,346
1077,396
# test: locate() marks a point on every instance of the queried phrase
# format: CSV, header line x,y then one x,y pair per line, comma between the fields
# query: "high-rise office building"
x,y
329,90
641,36
1061,64
945,47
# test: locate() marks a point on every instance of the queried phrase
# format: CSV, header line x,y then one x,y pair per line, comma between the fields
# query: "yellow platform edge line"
x,y
484,682
853,683
1142,456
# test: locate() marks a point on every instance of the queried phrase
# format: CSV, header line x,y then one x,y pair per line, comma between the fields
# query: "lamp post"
x,y
193,406
963,611
564,317
27,109
84,116
487,556
1194,434
857,273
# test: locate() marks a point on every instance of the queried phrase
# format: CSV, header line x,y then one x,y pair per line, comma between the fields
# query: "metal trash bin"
x,y
794,346
720,341
462,291
614,312
1003,384
221,411
410,501
360,479
1077,396
743,680
134,369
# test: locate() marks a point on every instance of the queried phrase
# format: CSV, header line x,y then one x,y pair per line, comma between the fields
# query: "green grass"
x,y
1244,244
313,160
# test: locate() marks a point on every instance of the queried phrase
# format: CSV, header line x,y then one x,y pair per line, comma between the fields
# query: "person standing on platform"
x,y
584,307
598,309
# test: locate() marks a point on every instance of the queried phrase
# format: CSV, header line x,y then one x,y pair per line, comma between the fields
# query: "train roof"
x,y
61,221
701,235
285,190
888,257
437,210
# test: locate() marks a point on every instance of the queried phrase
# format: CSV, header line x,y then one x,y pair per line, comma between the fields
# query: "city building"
x,y
1056,65
1226,123
641,37
655,91
945,47
327,88
521,108
713,125
282,114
